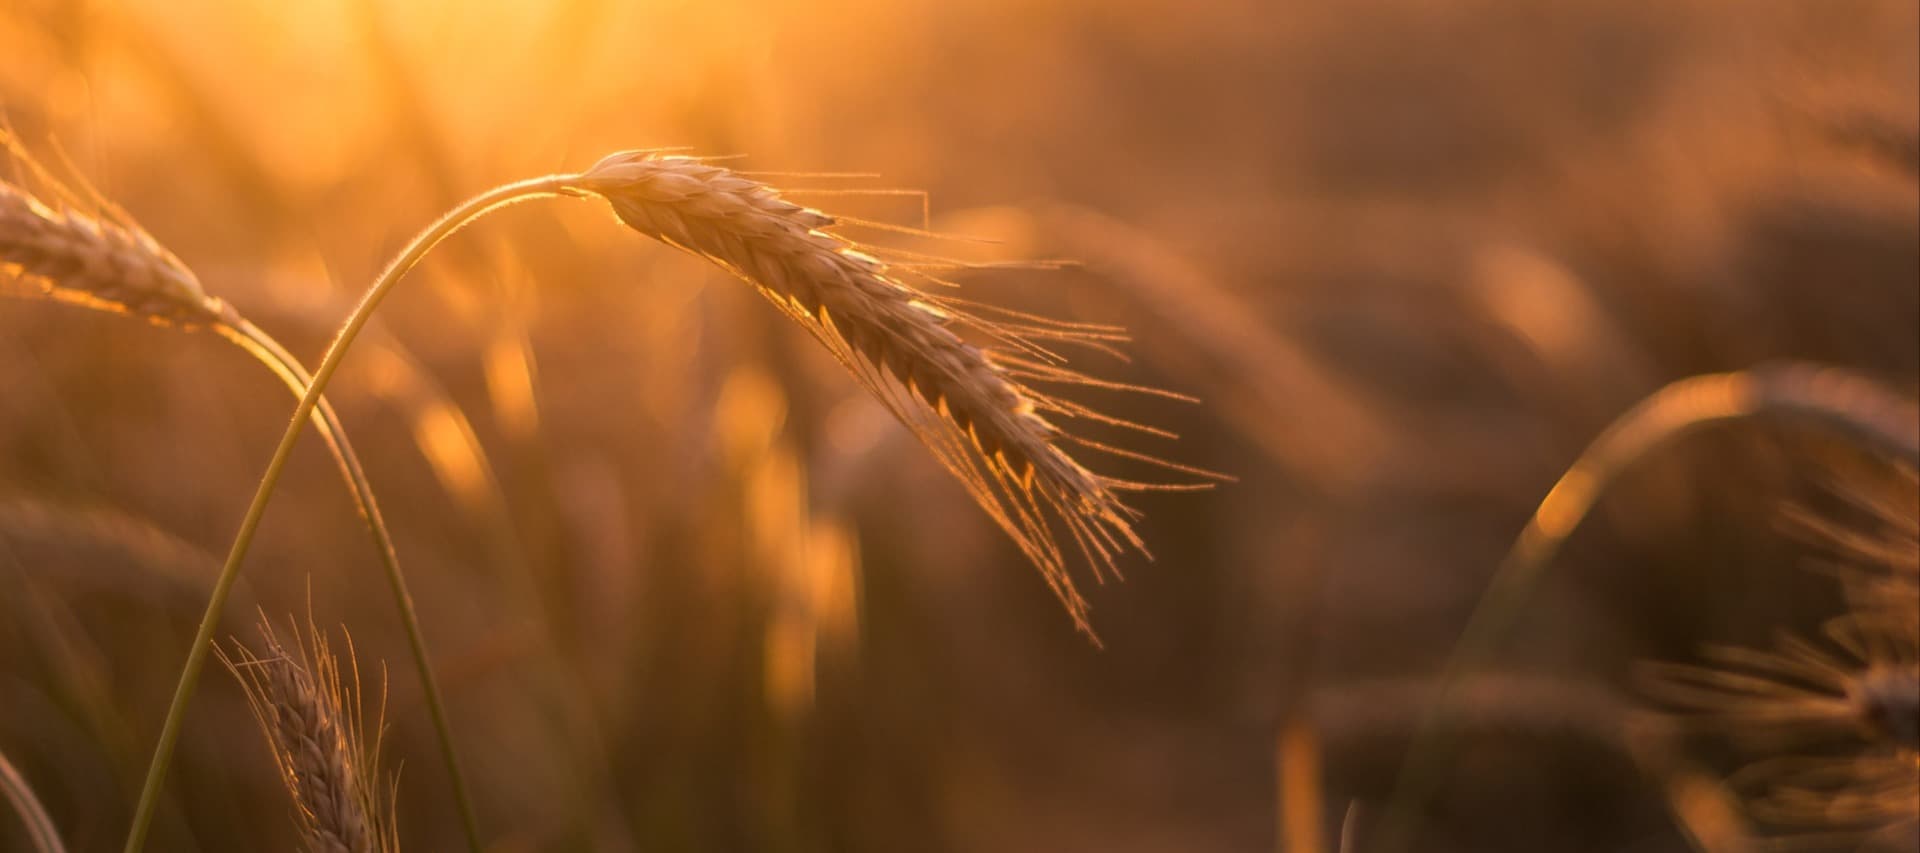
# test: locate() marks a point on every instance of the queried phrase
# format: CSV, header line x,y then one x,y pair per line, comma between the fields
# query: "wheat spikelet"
x,y
311,718
975,407
98,261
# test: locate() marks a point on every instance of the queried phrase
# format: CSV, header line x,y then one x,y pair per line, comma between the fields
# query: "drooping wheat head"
x,y
100,259
976,405
311,714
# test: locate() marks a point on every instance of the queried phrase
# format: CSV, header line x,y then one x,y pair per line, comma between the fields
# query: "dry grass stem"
x,y
979,407
40,829
310,711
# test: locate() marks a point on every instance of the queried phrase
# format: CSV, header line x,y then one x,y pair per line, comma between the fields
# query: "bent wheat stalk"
x,y
1836,399
109,263
40,828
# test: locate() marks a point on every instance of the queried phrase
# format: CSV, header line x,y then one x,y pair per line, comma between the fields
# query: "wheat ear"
x,y
979,408
310,713
1835,399
99,263
108,262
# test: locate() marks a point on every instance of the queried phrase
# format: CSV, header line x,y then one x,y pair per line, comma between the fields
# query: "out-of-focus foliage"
x,y
689,588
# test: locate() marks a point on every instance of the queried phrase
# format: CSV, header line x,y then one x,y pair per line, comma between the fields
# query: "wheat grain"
x,y
310,716
99,262
977,408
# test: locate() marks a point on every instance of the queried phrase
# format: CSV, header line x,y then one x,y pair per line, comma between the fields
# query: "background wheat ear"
x,y
311,711
979,406
83,250
14,788
1833,722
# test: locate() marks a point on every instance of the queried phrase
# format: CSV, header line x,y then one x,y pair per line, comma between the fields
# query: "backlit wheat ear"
x,y
98,262
310,715
975,407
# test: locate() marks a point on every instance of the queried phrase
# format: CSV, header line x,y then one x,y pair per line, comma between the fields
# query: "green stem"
x,y
449,223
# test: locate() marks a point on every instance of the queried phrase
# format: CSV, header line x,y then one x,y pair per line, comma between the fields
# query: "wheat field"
x,y
978,426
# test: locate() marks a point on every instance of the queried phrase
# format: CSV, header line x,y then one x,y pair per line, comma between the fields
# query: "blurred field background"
x,y
690,588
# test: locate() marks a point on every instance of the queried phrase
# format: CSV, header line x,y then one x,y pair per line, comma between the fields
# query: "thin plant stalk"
x,y
40,828
449,223
284,366
196,656
1833,398
296,378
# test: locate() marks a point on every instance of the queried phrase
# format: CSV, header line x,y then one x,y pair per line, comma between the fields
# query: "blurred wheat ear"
x,y
1835,723
310,711
104,260
1836,729
1840,401
1876,557
979,408
1867,685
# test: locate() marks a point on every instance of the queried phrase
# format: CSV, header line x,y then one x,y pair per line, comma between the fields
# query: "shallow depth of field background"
x,y
700,593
